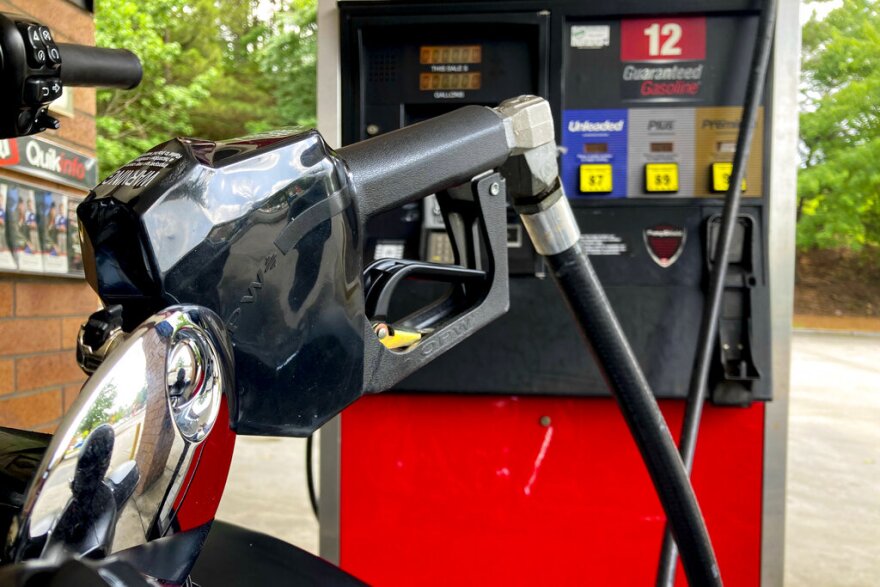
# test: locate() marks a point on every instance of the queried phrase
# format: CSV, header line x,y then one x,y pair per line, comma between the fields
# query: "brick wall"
x,y
40,316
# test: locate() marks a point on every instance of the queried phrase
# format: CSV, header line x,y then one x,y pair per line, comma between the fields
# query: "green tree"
x,y
289,58
839,183
213,69
99,412
130,122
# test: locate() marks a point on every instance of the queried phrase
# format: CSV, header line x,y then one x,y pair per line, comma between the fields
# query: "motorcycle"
x,y
236,302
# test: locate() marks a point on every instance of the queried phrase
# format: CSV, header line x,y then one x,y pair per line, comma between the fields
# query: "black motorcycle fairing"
x,y
20,455
238,557
262,231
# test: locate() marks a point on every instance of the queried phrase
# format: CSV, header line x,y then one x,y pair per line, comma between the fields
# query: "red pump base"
x,y
510,490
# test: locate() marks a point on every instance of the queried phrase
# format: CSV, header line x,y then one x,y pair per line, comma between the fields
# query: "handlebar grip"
x,y
82,65
408,164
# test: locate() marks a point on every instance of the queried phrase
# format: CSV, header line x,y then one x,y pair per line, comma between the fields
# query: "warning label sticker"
x,y
590,36
142,171
606,244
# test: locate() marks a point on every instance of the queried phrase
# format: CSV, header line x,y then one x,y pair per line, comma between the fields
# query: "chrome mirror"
x,y
112,474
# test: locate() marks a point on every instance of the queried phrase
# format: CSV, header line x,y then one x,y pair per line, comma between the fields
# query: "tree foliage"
x,y
839,183
213,69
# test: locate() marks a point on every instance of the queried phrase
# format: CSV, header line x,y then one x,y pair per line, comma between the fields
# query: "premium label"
x,y
716,134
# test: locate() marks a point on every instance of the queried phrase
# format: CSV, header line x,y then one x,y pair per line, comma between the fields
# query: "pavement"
x,y
833,492
267,490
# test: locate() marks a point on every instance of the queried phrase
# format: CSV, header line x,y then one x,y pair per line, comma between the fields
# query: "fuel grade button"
x,y
661,177
721,177
596,178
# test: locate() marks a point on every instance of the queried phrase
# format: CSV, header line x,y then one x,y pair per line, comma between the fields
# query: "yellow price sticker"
x,y
661,177
721,177
596,178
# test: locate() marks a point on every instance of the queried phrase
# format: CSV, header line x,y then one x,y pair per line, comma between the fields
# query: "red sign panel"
x,y
663,39
8,152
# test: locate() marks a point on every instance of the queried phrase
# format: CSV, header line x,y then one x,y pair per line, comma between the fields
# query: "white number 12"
x,y
671,31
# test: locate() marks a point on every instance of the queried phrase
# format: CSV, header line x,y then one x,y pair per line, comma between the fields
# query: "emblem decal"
x,y
665,243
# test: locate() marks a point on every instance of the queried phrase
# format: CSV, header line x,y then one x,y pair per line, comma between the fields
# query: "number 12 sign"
x,y
663,39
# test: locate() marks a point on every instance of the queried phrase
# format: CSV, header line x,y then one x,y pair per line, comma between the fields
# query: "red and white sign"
x,y
8,152
42,158
663,39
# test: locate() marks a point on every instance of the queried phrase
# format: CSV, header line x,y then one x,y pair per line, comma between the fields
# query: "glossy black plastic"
x,y
20,454
260,230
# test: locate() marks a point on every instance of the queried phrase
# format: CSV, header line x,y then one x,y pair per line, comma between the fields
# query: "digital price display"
x,y
446,54
450,81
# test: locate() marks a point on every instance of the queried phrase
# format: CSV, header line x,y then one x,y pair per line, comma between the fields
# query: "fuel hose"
x,y
555,234
698,387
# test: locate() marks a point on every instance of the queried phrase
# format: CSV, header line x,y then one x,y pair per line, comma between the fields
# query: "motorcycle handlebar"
x,y
82,65
408,164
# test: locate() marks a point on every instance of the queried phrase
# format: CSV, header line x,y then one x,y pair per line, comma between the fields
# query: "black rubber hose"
x,y
310,474
579,283
698,388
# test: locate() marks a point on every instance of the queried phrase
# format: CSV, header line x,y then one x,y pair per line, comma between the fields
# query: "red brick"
x,y
6,298
71,392
48,428
7,368
30,411
79,133
29,336
84,100
45,370
54,298
70,330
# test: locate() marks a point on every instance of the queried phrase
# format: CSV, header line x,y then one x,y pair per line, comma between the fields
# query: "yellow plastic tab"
x,y
661,177
721,177
401,338
596,178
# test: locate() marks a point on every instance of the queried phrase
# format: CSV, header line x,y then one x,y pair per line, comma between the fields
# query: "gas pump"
x,y
504,460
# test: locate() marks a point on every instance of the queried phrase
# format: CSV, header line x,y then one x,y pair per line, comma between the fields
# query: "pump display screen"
x,y
450,81
445,54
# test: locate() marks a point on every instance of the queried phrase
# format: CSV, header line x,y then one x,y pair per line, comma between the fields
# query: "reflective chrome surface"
x,y
553,230
194,384
528,122
159,391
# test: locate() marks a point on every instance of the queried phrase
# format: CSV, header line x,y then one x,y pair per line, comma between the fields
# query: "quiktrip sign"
x,y
42,158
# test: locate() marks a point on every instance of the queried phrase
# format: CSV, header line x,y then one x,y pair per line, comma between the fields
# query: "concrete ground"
x,y
833,492
267,490
833,528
